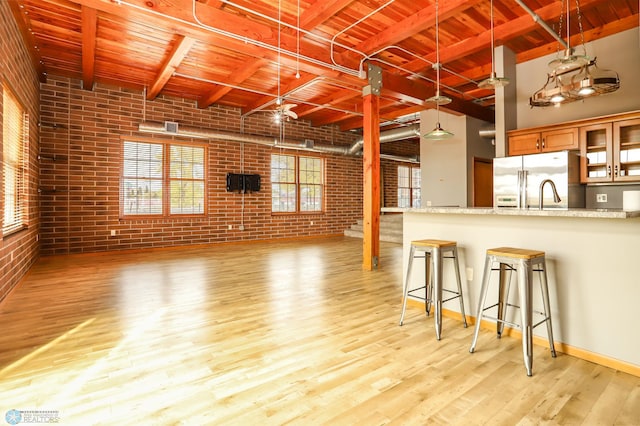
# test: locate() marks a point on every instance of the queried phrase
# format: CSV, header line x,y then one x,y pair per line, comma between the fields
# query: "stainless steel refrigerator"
x,y
517,180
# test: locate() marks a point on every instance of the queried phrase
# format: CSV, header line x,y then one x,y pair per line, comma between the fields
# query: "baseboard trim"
x,y
566,349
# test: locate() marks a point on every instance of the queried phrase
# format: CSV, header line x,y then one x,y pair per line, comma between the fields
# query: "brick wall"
x,y
409,148
18,251
80,173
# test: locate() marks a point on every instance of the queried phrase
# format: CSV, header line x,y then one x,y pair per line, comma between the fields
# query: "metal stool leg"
x,y
503,296
525,276
547,307
483,295
437,280
428,280
456,265
405,291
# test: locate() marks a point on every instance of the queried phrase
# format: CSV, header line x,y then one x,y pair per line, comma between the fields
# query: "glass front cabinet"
x,y
610,152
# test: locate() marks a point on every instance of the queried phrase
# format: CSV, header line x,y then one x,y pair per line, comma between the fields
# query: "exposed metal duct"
x,y
393,135
487,133
307,145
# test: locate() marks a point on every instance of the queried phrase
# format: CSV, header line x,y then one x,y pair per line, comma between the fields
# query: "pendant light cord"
x,y
278,100
438,65
493,61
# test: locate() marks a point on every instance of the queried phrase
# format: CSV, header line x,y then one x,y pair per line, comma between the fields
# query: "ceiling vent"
x,y
171,127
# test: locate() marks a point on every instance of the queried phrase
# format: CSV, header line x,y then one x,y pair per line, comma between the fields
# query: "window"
x,y
15,132
161,179
297,183
408,186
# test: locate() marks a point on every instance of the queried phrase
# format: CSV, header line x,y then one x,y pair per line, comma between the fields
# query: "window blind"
x,y
14,148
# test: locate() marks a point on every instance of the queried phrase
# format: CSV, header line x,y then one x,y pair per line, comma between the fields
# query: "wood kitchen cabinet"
x,y
626,150
609,145
596,153
610,152
544,141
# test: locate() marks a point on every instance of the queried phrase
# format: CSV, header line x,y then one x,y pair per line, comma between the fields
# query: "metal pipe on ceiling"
x,y
537,19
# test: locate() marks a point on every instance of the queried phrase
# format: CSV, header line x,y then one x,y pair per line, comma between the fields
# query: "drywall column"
x,y
371,169
506,113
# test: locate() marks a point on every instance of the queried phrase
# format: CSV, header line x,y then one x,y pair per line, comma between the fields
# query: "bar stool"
x,y
434,253
524,262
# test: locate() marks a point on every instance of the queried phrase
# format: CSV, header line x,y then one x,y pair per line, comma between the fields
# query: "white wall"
x,y
444,163
619,52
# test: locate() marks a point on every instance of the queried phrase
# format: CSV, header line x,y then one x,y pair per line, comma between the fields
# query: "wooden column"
x,y
371,178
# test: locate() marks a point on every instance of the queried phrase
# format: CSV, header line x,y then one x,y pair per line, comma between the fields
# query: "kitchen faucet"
x,y
556,197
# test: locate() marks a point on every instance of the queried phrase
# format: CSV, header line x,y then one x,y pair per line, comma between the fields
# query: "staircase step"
x,y
390,228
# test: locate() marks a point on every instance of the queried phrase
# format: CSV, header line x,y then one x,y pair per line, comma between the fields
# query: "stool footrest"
x,y
512,324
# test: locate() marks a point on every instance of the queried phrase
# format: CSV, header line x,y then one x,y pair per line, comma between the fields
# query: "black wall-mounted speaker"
x,y
240,182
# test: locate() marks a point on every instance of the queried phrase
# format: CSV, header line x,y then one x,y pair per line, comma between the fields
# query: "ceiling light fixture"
x,y
438,132
574,77
493,81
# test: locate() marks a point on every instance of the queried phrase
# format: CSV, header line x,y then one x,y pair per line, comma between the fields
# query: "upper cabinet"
x,y
610,152
543,141
596,153
609,145
626,150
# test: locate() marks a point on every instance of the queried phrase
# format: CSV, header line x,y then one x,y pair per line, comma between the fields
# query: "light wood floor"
x,y
270,334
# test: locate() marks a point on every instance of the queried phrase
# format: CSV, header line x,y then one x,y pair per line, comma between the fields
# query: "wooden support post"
x,y
371,179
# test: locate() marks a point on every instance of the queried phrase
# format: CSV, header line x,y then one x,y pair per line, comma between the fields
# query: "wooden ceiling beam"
x,y
593,34
333,99
89,30
24,25
181,48
264,101
416,92
408,27
159,14
235,78
511,29
320,11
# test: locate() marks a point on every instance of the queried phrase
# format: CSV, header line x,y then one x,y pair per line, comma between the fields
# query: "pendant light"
x,y
574,76
438,133
493,81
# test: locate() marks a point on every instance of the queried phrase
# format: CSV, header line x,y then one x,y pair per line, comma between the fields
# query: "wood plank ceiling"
x,y
247,53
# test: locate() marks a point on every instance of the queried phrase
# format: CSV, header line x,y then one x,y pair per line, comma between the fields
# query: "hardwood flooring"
x,y
272,333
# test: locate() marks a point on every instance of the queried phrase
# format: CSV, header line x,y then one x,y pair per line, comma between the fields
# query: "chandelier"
x,y
574,77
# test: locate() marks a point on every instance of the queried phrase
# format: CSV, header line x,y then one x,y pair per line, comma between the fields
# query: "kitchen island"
x,y
593,262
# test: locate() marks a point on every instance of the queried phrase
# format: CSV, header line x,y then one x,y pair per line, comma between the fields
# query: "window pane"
x,y
404,199
403,177
415,177
186,170
283,197
310,198
187,197
142,196
142,178
415,197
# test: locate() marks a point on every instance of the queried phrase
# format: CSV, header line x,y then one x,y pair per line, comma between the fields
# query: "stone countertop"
x,y
584,213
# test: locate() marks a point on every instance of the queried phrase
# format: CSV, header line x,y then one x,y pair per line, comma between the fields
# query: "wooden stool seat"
x,y
433,243
524,262
434,253
517,253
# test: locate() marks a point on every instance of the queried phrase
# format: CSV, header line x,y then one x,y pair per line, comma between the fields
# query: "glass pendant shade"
x,y
493,82
438,133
